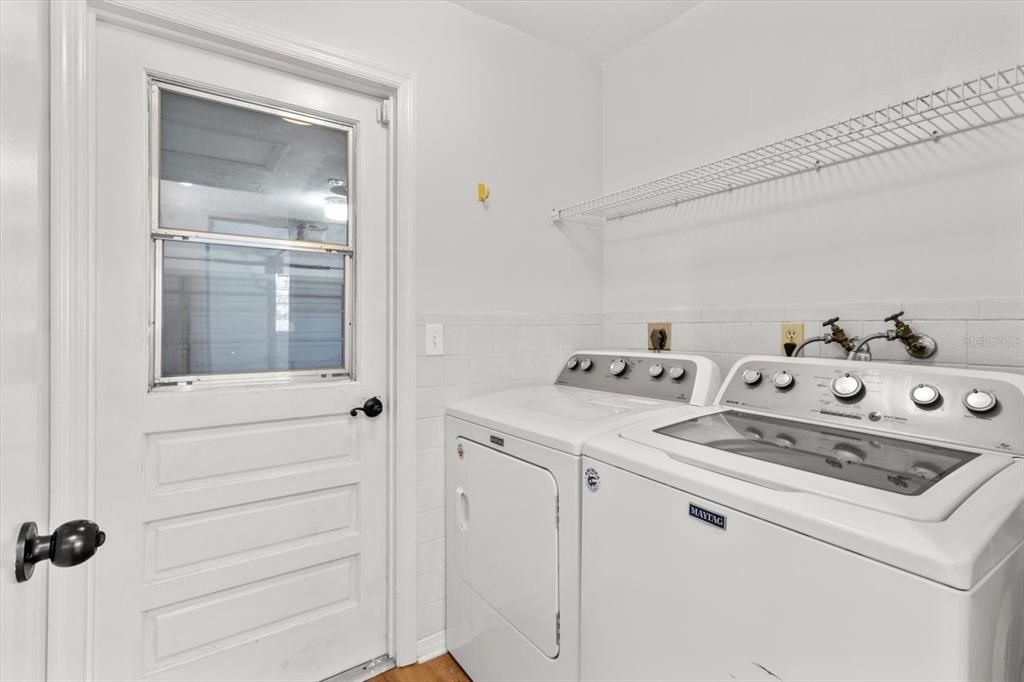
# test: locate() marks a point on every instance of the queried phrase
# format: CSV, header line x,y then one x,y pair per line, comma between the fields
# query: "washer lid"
x,y
559,417
899,466
911,479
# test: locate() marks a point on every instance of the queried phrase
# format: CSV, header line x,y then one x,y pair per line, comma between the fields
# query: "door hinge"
x,y
558,628
384,114
558,512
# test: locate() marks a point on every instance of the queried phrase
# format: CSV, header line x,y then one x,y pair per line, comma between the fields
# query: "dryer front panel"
x,y
506,516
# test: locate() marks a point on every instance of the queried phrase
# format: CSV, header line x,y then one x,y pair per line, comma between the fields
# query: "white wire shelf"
x,y
972,104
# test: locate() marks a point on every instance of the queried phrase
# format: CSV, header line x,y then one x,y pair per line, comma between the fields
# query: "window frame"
x,y
158,236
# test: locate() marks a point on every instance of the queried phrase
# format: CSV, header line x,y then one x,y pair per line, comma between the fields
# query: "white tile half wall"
x,y
482,353
976,333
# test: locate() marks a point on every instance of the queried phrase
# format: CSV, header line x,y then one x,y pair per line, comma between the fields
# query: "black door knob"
x,y
69,545
371,408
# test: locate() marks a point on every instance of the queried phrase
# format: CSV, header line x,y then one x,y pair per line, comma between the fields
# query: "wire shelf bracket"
x,y
970,105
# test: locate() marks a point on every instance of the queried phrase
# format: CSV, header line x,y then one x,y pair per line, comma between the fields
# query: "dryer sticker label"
x,y
593,479
708,517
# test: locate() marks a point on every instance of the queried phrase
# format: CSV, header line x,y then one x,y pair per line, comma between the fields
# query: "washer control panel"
x,y
664,376
972,408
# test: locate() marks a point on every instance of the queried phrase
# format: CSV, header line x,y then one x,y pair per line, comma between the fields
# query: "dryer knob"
x,y
847,386
979,401
586,364
677,372
617,367
656,370
572,364
752,377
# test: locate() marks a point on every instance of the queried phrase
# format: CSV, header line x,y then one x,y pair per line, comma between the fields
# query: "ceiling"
x,y
595,29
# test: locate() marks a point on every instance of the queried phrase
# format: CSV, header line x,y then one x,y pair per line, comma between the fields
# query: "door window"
x,y
252,234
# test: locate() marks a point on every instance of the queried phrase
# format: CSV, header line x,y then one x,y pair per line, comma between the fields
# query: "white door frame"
x,y
73,300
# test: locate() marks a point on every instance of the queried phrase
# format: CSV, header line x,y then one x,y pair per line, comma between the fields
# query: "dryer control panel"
x,y
661,376
973,408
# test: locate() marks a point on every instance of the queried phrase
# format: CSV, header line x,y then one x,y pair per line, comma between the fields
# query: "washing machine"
x,y
825,520
512,466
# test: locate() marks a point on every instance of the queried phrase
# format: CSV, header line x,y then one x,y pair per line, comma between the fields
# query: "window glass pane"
x,y
233,170
232,309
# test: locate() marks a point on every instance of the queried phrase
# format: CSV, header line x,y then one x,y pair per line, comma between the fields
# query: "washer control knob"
x,y
846,386
925,395
656,370
783,380
586,364
751,377
572,364
617,367
676,372
979,401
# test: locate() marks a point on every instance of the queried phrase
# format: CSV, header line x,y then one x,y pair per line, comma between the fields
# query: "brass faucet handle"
x,y
895,317
829,322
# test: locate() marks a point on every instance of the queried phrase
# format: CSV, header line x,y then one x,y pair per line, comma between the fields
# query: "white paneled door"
x,y
241,314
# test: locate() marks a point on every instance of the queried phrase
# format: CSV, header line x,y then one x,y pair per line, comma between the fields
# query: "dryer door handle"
x,y
461,509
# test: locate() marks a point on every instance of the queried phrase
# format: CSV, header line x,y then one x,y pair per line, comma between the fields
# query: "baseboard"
x,y
430,647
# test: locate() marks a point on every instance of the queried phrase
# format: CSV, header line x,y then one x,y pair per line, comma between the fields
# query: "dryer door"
x,y
508,511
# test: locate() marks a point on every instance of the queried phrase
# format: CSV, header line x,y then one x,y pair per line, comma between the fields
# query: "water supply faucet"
x,y
836,334
917,345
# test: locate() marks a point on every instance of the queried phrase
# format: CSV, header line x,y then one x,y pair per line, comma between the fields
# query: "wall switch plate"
x,y
659,336
792,336
435,339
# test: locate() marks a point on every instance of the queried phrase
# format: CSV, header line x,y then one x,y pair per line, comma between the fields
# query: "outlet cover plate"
x,y
792,333
654,326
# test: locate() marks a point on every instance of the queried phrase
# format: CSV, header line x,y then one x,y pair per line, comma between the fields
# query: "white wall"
x,y
935,222
494,106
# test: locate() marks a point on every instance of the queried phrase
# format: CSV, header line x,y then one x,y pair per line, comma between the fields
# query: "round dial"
x,y
979,401
847,386
586,364
656,370
783,379
573,363
924,395
617,367
751,377
676,372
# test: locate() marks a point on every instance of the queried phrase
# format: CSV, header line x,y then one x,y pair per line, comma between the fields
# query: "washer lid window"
x,y
897,466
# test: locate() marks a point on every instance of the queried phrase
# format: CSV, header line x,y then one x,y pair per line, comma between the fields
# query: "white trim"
x,y
72,304
72,110
431,646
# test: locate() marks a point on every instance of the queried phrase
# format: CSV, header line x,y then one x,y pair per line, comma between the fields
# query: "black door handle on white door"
x,y
371,408
70,544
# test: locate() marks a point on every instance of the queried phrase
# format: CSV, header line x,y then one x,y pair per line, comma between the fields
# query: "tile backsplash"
x,y
975,333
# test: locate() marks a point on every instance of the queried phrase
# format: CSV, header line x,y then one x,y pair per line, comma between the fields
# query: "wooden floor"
x,y
440,669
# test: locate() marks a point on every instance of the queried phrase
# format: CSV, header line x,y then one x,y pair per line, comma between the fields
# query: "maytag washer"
x,y
512,466
826,520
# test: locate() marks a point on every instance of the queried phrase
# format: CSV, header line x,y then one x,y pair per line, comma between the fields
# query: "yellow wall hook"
x,y
483,192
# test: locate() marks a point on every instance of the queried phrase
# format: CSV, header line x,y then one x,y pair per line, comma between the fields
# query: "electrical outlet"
x,y
435,339
792,336
659,336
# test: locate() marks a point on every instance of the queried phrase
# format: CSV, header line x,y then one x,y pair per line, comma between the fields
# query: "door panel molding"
x,y
73,296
